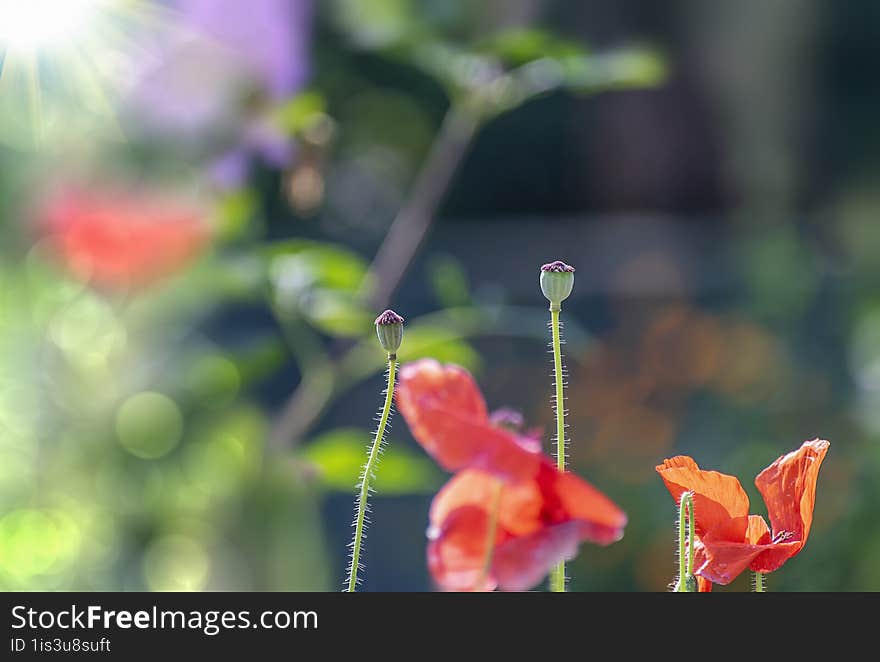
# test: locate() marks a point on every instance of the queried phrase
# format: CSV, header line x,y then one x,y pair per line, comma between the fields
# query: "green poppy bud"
x,y
557,281
389,328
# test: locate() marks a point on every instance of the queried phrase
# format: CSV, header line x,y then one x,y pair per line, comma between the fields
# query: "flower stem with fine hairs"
x,y
367,475
685,554
759,582
557,578
691,550
557,281
560,396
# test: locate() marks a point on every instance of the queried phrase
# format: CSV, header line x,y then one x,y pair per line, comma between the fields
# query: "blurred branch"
x,y
480,89
405,236
408,230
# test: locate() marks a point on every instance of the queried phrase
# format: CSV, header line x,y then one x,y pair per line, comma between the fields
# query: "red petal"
x,y
758,533
447,415
539,523
568,497
521,563
457,551
775,555
722,560
720,503
789,490
466,488
704,585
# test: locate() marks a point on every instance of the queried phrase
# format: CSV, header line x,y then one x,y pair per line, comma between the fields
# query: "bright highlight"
x,y
32,25
63,65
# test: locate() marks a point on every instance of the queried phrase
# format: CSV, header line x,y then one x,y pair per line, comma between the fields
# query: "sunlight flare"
x,y
44,24
63,65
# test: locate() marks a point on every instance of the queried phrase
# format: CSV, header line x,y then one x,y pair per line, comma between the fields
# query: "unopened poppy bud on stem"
x,y
557,281
389,328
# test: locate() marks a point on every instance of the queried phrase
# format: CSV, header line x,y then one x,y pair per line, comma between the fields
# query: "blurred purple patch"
x,y
259,138
214,76
270,36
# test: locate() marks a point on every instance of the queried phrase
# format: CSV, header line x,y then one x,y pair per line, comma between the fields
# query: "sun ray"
x,y
64,66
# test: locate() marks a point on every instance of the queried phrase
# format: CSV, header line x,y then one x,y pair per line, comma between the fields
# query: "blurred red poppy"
x,y
729,540
508,515
121,240
448,416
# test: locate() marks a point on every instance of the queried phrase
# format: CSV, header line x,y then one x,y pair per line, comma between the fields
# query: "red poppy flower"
x,y
121,240
728,539
509,515
448,416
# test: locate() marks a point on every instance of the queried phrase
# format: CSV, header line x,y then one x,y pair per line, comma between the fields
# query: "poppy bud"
x,y
389,328
557,281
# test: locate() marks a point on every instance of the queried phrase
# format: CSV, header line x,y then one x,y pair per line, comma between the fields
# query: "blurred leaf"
x,y
301,113
449,281
341,453
320,283
234,213
573,65
316,262
622,68
376,23
459,69
338,315
519,46
511,68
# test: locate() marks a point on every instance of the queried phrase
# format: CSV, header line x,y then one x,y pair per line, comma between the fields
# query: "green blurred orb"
x,y
176,563
214,380
149,425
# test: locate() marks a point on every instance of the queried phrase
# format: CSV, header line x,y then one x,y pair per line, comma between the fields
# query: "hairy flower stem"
x,y
557,576
691,550
759,582
367,475
491,531
685,553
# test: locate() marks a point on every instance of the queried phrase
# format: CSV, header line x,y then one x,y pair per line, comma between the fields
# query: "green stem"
x,y
685,552
492,530
690,506
759,582
557,576
682,555
367,475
